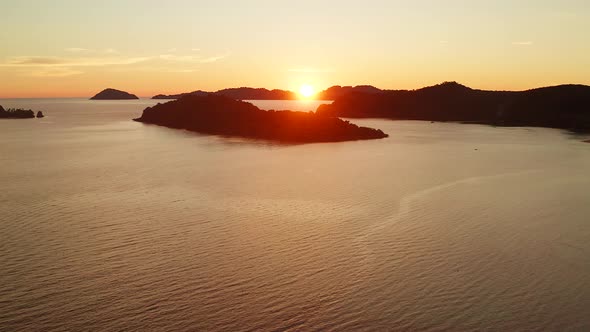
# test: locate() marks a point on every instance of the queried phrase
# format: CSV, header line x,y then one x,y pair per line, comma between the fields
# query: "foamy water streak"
x,y
112,225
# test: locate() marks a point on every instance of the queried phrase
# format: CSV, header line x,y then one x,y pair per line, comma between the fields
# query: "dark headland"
x,y
564,106
219,115
113,94
13,113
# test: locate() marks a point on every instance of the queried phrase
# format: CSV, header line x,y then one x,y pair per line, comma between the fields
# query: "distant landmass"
x,y
221,115
257,94
564,106
113,94
239,94
180,95
13,113
338,91
246,93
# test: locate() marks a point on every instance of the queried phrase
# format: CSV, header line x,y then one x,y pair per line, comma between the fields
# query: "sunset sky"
x,y
68,48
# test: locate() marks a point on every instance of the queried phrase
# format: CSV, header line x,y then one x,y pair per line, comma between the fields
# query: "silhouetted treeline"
x,y
565,106
338,91
239,94
221,115
180,95
257,94
16,113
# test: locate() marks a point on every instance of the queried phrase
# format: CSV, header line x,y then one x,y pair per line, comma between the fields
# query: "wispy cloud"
x,y
193,58
53,61
183,58
54,72
195,49
215,58
163,69
522,43
61,66
34,60
308,70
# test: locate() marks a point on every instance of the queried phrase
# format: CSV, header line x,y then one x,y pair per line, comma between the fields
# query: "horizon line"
x,y
295,92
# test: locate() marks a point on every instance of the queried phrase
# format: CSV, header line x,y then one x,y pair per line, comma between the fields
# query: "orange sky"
x,y
76,48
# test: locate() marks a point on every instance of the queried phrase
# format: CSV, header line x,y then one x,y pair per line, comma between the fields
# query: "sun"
x,y
306,91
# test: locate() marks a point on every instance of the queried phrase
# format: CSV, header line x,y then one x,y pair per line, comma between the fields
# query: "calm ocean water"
x,y
111,225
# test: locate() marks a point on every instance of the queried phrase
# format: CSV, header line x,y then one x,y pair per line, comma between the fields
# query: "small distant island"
x,y
16,113
113,94
564,106
220,115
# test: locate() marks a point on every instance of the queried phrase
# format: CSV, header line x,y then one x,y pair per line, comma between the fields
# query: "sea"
x,y
107,224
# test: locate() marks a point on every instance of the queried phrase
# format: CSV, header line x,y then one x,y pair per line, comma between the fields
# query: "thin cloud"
x,y
183,58
193,58
58,66
52,61
54,72
215,58
159,69
522,43
34,60
195,49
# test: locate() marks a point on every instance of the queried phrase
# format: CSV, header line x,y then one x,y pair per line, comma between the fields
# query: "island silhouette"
x,y
113,94
16,113
564,106
220,115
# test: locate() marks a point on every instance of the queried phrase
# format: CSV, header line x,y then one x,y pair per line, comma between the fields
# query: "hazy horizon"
x,y
256,87
77,48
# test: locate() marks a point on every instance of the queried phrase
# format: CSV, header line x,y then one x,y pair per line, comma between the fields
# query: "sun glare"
x,y
306,91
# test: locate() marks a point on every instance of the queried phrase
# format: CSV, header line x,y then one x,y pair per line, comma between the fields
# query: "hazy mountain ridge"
x,y
242,93
247,93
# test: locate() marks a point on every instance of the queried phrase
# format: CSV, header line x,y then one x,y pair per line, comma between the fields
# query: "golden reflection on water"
x,y
109,224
